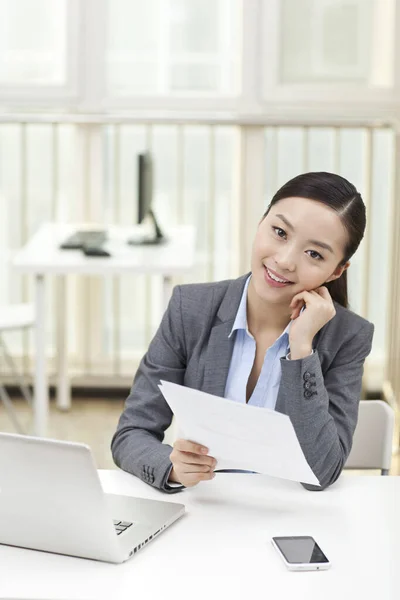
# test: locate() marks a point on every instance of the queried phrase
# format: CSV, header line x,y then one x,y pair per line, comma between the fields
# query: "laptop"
x,y
51,499
80,239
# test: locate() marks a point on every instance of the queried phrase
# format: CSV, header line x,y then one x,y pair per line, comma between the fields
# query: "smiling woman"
x,y
280,337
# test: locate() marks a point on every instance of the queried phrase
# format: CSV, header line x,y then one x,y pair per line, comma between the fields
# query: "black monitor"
x,y
145,199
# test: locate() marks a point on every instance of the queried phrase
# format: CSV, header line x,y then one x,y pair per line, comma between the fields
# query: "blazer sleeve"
x,y
137,443
324,407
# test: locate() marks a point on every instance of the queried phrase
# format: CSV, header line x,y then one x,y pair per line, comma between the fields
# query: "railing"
x,y
216,174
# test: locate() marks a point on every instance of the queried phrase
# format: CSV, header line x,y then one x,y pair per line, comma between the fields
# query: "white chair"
x,y
373,437
15,317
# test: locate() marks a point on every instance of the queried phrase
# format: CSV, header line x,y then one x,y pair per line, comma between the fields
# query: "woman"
x,y
280,337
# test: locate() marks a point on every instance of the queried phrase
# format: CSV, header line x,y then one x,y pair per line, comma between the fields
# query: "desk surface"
x,y
42,255
221,547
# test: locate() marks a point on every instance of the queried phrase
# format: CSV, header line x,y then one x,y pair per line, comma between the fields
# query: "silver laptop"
x,y
51,499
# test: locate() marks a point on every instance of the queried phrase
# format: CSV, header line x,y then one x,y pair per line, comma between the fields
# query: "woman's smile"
x,y
274,279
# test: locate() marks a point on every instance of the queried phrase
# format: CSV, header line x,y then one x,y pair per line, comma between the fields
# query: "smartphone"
x,y
301,553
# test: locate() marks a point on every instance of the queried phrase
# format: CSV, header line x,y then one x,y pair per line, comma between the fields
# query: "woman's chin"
x,y
273,295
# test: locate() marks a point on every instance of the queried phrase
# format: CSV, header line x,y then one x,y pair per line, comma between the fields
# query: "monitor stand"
x,y
148,239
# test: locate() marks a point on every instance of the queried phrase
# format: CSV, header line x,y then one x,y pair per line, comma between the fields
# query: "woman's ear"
x,y
338,272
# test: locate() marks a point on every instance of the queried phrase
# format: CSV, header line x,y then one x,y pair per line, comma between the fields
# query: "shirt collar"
x,y
241,315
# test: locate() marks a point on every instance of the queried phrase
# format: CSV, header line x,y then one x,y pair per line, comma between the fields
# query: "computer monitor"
x,y
145,199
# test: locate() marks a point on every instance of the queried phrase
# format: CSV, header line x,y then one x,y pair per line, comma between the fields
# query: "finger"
x,y
189,458
322,299
193,478
295,303
194,468
206,476
177,456
295,300
188,446
296,313
305,296
324,292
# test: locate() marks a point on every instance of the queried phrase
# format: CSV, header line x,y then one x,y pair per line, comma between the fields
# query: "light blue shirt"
x,y
265,392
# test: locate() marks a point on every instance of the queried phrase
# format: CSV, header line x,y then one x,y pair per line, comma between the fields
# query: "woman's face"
x,y
301,242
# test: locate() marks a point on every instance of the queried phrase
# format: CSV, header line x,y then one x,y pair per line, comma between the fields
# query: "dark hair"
x,y
340,195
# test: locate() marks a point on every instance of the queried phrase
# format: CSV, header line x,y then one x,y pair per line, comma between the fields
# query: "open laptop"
x,y
51,499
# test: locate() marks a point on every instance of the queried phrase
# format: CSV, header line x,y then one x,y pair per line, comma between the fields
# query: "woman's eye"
x,y
279,232
315,254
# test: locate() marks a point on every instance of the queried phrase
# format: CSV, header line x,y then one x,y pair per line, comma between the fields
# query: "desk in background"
x,y
221,548
42,256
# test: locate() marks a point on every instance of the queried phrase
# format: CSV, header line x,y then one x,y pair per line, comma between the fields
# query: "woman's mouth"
x,y
275,280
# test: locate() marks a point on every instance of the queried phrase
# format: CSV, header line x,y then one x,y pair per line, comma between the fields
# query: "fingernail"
x,y
204,450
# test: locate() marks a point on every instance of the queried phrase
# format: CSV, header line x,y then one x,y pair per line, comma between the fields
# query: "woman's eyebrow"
x,y
314,242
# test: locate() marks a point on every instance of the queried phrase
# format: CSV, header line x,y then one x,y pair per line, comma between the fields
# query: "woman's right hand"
x,y
191,463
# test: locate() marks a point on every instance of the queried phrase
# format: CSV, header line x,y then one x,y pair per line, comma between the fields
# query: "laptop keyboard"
x,y
79,239
121,526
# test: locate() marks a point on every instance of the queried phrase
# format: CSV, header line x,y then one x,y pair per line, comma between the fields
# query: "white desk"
x,y
221,548
41,256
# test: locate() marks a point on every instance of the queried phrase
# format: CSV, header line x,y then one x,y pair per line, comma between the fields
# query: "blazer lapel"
x,y
220,345
219,352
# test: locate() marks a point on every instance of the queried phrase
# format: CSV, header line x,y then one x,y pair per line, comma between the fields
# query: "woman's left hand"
x,y
319,310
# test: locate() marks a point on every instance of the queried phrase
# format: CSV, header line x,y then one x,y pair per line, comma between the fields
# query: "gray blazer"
x,y
320,393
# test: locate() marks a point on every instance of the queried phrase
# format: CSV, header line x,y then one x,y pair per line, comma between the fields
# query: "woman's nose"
x,y
285,261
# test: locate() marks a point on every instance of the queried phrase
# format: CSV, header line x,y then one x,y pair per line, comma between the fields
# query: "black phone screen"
x,y
300,549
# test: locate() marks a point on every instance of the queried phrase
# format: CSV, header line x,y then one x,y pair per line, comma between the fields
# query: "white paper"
x,y
237,435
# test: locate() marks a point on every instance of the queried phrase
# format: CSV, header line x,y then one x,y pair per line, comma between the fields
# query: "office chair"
x,y
13,317
373,437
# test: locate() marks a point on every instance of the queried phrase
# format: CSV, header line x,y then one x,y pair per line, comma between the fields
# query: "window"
x,y
33,43
337,41
172,47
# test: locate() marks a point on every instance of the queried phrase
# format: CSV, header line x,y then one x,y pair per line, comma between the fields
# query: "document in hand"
x,y
237,435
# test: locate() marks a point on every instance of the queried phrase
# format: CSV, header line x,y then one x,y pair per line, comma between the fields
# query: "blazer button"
x,y
307,385
307,394
307,376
